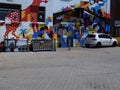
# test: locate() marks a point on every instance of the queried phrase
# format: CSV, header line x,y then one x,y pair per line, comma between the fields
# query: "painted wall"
x,y
96,18
60,4
31,29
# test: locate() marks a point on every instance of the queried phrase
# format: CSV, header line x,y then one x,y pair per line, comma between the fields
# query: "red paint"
x,y
15,19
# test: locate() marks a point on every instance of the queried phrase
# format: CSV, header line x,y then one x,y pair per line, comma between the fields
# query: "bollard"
x,y
69,44
54,44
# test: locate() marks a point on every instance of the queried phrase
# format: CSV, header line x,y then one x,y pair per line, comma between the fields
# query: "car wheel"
x,y
98,45
87,46
114,44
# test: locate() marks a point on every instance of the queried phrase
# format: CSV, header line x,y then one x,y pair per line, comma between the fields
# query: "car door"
x,y
107,39
103,39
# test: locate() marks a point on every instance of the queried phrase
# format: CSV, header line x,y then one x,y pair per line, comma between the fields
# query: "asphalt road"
x,y
77,69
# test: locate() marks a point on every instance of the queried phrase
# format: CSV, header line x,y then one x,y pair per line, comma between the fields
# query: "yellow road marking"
x,y
6,59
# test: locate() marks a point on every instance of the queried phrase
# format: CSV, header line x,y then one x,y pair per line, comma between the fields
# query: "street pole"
x,y
69,44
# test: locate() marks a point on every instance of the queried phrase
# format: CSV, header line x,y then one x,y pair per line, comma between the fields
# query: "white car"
x,y
100,39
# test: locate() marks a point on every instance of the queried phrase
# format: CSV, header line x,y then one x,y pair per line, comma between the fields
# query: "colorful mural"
x,y
15,25
92,17
75,22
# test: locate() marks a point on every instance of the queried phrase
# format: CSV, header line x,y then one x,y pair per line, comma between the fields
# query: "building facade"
x,y
58,19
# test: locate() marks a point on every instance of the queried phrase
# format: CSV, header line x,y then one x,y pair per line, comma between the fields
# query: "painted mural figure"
x,y
12,23
31,13
27,15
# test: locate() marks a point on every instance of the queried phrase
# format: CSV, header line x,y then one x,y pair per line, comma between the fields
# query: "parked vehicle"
x,y
99,40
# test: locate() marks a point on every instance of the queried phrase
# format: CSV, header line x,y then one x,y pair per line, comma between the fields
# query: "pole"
x,y
69,44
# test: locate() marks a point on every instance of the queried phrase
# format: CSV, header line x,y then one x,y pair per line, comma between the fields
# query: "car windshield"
x,y
91,36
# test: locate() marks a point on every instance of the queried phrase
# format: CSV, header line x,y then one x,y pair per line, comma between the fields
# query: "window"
x,y
41,14
104,36
9,9
37,14
91,36
101,36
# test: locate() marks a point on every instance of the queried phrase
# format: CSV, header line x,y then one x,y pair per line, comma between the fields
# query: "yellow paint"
x,y
58,42
29,36
118,39
78,44
68,33
91,31
76,5
28,30
56,38
6,59
19,35
41,25
43,36
22,14
28,17
57,24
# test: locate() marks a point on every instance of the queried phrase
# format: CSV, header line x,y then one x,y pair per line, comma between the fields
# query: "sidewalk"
x,y
77,69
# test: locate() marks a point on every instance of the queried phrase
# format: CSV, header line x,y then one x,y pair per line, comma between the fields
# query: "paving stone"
x,y
77,69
